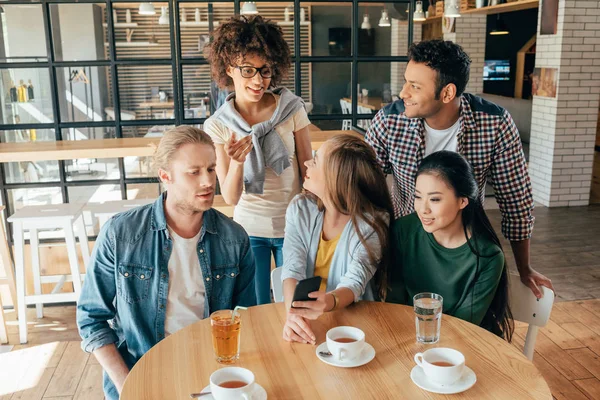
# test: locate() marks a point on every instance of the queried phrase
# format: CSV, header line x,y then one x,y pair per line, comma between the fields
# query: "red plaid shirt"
x,y
488,139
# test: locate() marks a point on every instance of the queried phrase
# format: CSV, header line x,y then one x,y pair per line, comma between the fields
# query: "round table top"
x,y
183,362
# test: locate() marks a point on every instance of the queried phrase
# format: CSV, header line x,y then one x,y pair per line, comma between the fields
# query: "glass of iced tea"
x,y
226,336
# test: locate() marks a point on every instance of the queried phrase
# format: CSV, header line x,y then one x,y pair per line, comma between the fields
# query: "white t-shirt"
x,y
445,139
185,301
263,215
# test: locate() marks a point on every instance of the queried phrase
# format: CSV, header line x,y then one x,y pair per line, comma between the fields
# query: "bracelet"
x,y
335,301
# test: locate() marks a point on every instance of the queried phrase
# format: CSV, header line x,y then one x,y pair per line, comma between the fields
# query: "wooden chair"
x,y
527,308
277,285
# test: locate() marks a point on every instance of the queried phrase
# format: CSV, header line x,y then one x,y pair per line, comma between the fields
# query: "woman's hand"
x,y
297,329
237,150
313,309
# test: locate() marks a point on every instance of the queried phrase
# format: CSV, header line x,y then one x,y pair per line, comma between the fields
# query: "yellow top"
x,y
324,257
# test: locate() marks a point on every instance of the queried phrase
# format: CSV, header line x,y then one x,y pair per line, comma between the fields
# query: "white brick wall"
x,y
563,129
399,48
470,33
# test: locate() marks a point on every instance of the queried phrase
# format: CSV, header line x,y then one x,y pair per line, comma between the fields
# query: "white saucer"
x,y
259,393
466,381
366,356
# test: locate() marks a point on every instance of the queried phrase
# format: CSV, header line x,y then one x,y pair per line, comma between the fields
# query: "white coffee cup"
x,y
347,350
442,375
230,374
365,92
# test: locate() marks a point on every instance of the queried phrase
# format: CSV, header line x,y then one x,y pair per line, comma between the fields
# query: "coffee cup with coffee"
x,y
232,383
441,365
345,342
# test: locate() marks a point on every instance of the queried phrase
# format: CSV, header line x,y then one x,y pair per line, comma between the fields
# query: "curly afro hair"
x,y
447,58
241,36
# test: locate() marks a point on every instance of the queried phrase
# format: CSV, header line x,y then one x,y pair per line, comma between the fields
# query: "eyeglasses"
x,y
250,72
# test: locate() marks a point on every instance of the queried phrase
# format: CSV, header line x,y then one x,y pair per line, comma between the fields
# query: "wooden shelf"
x,y
194,23
430,20
134,44
504,8
123,25
291,23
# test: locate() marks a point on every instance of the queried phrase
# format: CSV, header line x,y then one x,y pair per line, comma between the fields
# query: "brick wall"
x,y
470,33
399,48
563,129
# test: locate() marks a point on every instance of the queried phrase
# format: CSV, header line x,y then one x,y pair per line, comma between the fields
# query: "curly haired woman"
x,y
260,133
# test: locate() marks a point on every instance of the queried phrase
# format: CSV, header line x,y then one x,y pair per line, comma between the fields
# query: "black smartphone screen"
x,y
306,286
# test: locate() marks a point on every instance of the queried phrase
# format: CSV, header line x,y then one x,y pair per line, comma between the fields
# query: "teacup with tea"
x,y
345,342
441,365
232,383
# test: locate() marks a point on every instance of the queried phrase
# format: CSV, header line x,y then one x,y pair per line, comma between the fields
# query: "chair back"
x,y
277,285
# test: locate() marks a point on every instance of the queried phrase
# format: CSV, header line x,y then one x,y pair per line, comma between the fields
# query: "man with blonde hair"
x,y
158,268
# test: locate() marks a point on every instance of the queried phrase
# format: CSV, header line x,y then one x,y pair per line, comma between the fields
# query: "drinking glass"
x,y
428,317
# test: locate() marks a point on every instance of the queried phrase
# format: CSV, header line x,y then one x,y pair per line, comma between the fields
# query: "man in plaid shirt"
x,y
434,114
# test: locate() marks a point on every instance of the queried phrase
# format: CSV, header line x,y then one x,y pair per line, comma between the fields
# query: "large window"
x,y
81,70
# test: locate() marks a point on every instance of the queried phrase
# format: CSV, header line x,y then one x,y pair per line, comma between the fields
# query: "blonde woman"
x,y
339,232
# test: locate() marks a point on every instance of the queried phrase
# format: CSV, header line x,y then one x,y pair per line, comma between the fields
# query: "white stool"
x,y
104,211
35,218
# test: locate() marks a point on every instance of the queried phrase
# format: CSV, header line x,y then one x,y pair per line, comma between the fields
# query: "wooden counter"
x,y
106,148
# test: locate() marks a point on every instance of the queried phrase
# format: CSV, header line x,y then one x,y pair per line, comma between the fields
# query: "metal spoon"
x,y
196,395
325,354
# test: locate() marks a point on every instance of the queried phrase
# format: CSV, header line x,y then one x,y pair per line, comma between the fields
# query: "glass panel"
x,y
146,92
82,169
31,172
143,190
376,31
195,25
26,135
145,131
23,37
77,32
88,133
197,90
140,36
94,194
18,198
84,94
329,28
378,84
25,96
327,84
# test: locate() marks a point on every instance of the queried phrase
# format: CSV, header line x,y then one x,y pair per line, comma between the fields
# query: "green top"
x,y
423,265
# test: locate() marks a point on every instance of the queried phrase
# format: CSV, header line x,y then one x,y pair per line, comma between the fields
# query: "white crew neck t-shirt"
x,y
445,139
185,301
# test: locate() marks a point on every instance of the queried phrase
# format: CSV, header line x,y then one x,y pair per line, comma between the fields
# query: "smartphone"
x,y
306,286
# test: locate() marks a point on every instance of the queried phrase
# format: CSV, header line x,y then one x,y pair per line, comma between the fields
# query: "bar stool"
x,y
104,211
34,219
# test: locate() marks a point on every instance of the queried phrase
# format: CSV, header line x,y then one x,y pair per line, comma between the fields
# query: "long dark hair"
x,y
456,171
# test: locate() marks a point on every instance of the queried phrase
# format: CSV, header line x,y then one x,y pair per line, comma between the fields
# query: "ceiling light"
x,y
419,15
365,24
249,8
146,9
385,19
451,9
164,16
499,27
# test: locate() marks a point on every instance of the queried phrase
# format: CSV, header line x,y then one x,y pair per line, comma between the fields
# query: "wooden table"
x,y
182,363
107,148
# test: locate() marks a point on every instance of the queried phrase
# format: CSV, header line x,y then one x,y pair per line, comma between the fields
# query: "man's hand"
x,y
533,280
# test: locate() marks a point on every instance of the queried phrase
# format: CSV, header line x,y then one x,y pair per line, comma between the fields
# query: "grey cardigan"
x,y
350,266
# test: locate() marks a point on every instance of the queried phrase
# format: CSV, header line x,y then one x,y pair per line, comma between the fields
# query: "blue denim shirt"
x,y
124,296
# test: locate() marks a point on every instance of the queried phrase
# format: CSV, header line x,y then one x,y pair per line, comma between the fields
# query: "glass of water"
x,y
428,317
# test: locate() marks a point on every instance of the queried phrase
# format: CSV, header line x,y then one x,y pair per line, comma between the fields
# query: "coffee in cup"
x,y
441,365
345,342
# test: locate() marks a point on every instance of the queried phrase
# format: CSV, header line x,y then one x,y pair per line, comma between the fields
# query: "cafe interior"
x,y
88,88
